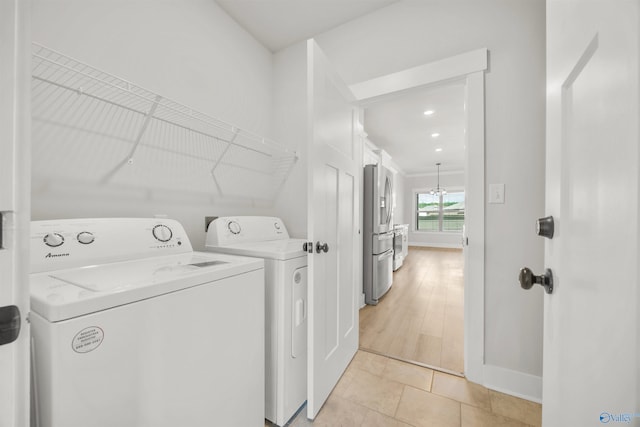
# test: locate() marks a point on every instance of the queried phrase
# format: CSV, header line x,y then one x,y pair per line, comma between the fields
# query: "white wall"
x,y
290,128
450,181
415,32
188,51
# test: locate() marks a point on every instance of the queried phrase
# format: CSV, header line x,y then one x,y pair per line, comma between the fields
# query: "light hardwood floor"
x,y
421,317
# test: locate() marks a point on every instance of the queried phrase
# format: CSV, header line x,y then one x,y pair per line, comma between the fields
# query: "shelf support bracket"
x,y
213,169
143,128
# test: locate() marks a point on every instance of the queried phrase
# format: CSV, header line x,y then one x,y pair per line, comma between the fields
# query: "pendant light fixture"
x,y
438,191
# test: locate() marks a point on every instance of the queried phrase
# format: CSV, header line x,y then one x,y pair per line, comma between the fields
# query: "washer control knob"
x,y
276,225
86,237
234,227
162,233
53,240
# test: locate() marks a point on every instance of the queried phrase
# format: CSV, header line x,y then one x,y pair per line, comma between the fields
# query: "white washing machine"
x,y
285,304
131,327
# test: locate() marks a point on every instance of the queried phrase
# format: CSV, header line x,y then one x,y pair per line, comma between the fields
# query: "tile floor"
x,y
377,391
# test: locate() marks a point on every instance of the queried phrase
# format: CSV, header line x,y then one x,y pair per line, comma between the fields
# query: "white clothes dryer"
x,y
131,327
285,304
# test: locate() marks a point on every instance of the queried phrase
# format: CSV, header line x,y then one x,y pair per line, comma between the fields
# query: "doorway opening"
x,y
468,67
420,319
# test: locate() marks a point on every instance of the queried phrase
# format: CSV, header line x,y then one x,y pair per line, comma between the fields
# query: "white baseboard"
x,y
519,384
437,245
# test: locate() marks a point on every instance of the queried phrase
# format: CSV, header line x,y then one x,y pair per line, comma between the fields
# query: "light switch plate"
x,y
496,193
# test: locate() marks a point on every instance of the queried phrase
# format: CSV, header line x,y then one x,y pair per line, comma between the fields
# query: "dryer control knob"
x,y
234,227
162,233
86,237
53,240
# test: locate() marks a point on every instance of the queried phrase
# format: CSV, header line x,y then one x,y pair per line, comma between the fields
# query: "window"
x,y
440,213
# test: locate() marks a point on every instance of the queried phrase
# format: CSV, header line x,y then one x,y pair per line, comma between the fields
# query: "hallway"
x,y
421,318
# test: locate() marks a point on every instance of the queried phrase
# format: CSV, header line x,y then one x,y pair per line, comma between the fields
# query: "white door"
x,y
15,120
591,340
333,210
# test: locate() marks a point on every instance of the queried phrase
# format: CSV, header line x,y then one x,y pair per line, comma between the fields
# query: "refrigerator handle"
x,y
387,186
385,255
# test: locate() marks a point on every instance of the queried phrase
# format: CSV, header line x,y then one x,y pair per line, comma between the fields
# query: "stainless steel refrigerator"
x,y
378,232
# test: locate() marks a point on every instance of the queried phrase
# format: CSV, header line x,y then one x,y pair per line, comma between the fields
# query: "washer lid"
x,y
271,249
65,294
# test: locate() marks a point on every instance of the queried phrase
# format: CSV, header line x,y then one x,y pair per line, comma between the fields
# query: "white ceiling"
x,y
396,125
280,23
400,127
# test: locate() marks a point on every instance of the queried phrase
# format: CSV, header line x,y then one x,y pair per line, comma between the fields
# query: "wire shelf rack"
x,y
91,126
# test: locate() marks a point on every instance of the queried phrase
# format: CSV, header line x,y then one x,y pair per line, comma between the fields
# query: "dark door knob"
x,y
9,324
528,279
322,247
544,227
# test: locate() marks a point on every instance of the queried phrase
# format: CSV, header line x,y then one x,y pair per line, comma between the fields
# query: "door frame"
x,y
471,67
15,199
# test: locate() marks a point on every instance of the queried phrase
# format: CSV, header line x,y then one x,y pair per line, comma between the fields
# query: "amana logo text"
x,y
50,255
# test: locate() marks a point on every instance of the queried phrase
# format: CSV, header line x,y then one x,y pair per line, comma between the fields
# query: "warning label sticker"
x,y
87,339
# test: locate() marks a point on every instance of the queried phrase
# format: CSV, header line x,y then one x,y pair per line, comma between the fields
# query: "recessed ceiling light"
x,y
438,150
435,135
428,112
